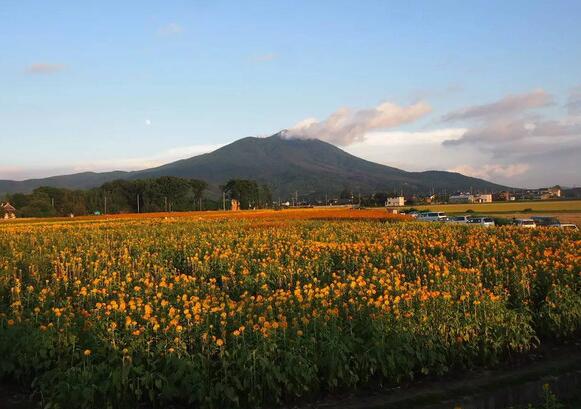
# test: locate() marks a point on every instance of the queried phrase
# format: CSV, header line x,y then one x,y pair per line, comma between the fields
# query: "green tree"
x,y
247,192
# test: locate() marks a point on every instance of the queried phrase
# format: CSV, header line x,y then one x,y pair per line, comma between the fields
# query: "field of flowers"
x,y
254,313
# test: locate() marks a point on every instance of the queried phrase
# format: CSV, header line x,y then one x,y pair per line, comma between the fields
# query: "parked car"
x,y
546,221
459,219
482,221
432,217
567,226
526,223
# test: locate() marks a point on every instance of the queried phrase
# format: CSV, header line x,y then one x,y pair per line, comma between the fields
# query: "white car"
x,y
567,226
459,219
526,223
482,221
432,217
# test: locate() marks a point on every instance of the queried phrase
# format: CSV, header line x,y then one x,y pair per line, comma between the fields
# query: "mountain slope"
x,y
84,180
286,165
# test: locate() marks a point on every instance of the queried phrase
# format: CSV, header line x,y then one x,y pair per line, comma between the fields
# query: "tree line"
x,y
161,194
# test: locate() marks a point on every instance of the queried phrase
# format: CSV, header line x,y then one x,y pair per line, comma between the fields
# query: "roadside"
x,y
501,388
12,397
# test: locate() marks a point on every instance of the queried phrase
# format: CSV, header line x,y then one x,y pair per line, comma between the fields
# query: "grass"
x,y
546,206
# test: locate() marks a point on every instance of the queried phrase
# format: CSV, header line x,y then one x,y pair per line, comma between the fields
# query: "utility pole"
x,y
165,200
52,201
138,203
105,212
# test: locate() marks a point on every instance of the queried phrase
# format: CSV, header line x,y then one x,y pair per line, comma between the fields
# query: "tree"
x,y
118,196
264,196
380,198
248,193
345,194
198,188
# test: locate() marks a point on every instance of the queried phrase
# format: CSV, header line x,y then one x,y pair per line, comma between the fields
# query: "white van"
x,y
459,219
526,223
567,226
432,217
482,221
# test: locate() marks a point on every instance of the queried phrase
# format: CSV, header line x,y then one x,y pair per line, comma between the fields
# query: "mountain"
x,y
307,166
84,180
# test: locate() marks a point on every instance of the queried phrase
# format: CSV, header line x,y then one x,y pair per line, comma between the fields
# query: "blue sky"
x,y
130,84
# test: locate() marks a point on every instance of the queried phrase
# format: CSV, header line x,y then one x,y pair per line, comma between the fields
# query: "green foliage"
x,y
249,193
120,196
355,303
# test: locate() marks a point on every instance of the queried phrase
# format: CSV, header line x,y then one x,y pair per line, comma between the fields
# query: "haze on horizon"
x,y
490,89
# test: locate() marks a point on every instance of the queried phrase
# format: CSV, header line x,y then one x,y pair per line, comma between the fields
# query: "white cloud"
x,y
264,58
44,68
574,101
170,29
145,162
106,165
508,121
510,104
414,151
391,138
346,127
492,171
11,172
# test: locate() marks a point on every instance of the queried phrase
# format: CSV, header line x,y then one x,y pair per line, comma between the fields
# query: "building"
x,y
7,211
555,191
469,198
550,193
540,194
483,198
504,196
461,198
430,199
395,201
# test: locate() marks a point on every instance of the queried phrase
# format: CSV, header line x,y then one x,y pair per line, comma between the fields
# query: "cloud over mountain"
x,y
346,126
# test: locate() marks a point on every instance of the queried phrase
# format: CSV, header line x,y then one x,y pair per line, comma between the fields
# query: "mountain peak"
x,y
288,165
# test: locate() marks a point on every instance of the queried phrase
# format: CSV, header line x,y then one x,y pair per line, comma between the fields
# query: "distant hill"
x,y
308,166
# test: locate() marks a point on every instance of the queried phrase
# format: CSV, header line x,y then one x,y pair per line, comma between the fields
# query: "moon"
x,y
147,122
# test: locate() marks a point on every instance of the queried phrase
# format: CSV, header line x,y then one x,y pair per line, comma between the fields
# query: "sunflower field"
x,y
259,313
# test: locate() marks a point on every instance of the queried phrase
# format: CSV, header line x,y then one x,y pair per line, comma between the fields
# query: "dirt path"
x,y
486,389
11,397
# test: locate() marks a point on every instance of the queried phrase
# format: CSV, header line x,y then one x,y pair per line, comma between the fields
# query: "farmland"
x,y
256,309
544,206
